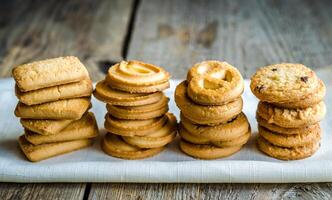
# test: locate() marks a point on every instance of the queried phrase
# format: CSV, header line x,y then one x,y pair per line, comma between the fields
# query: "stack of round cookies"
x,y
212,123
138,122
54,99
290,108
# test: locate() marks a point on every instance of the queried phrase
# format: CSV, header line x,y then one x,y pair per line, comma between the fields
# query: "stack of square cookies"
x,y
138,122
54,98
212,122
290,109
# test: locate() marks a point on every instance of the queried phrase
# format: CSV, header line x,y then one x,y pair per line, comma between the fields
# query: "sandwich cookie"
x,y
206,115
116,147
214,83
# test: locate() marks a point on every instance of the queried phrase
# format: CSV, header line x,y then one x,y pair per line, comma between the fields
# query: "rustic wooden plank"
x,y
42,191
247,34
92,30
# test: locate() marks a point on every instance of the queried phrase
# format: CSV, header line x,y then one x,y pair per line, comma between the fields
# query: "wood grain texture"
x,y
12,191
248,34
92,30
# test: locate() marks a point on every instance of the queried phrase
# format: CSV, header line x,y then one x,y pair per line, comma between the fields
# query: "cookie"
x,y
286,84
84,128
226,131
36,153
140,112
284,153
214,83
128,127
287,131
119,98
50,72
113,145
67,91
207,152
62,109
137,77
158,138
291,118
45,126
283,140
207,115
240,140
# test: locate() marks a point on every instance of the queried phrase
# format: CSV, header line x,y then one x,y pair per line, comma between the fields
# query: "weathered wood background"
x,y
175,35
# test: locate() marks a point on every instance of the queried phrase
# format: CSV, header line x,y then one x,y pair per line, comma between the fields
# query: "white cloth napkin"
x,y
92,165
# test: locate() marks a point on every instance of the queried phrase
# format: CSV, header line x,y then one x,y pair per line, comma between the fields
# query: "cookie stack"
x,y
138,122
54,98
212,122
290,108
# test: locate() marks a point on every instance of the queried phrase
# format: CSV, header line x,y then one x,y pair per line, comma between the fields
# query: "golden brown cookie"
x,y
283,140
62,109
208,115
226,131
291,118
140,112
116,147
214,83
286,84
84,128
284,153
137,77
50,72
45,126
44,151
117,97
288,131
158,138
207,152
67,91
128,127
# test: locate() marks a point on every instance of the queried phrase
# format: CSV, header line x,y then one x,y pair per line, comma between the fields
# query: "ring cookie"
x,y
137,77
62,109
50,72
116,147
284,153
117,97
158,138
291,118
287,84
140,112
207,115
214,83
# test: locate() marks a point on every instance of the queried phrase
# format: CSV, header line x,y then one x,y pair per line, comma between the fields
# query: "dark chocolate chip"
x,y
304,79
274,69
260,88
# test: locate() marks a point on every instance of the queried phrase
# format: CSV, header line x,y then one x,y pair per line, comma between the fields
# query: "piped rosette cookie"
x,y
137,120
212,122
290,109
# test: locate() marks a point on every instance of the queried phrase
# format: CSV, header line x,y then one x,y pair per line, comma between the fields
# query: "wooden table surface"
x,y
173,34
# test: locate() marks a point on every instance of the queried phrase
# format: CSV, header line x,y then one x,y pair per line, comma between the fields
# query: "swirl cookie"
x,y
207,152
133,127
289,85
116,147
291,118
223,132
62,109
67,91
214,83
282,140
158,138
140,112
284,153
286,131
208,115
137,77
50,72
117,97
